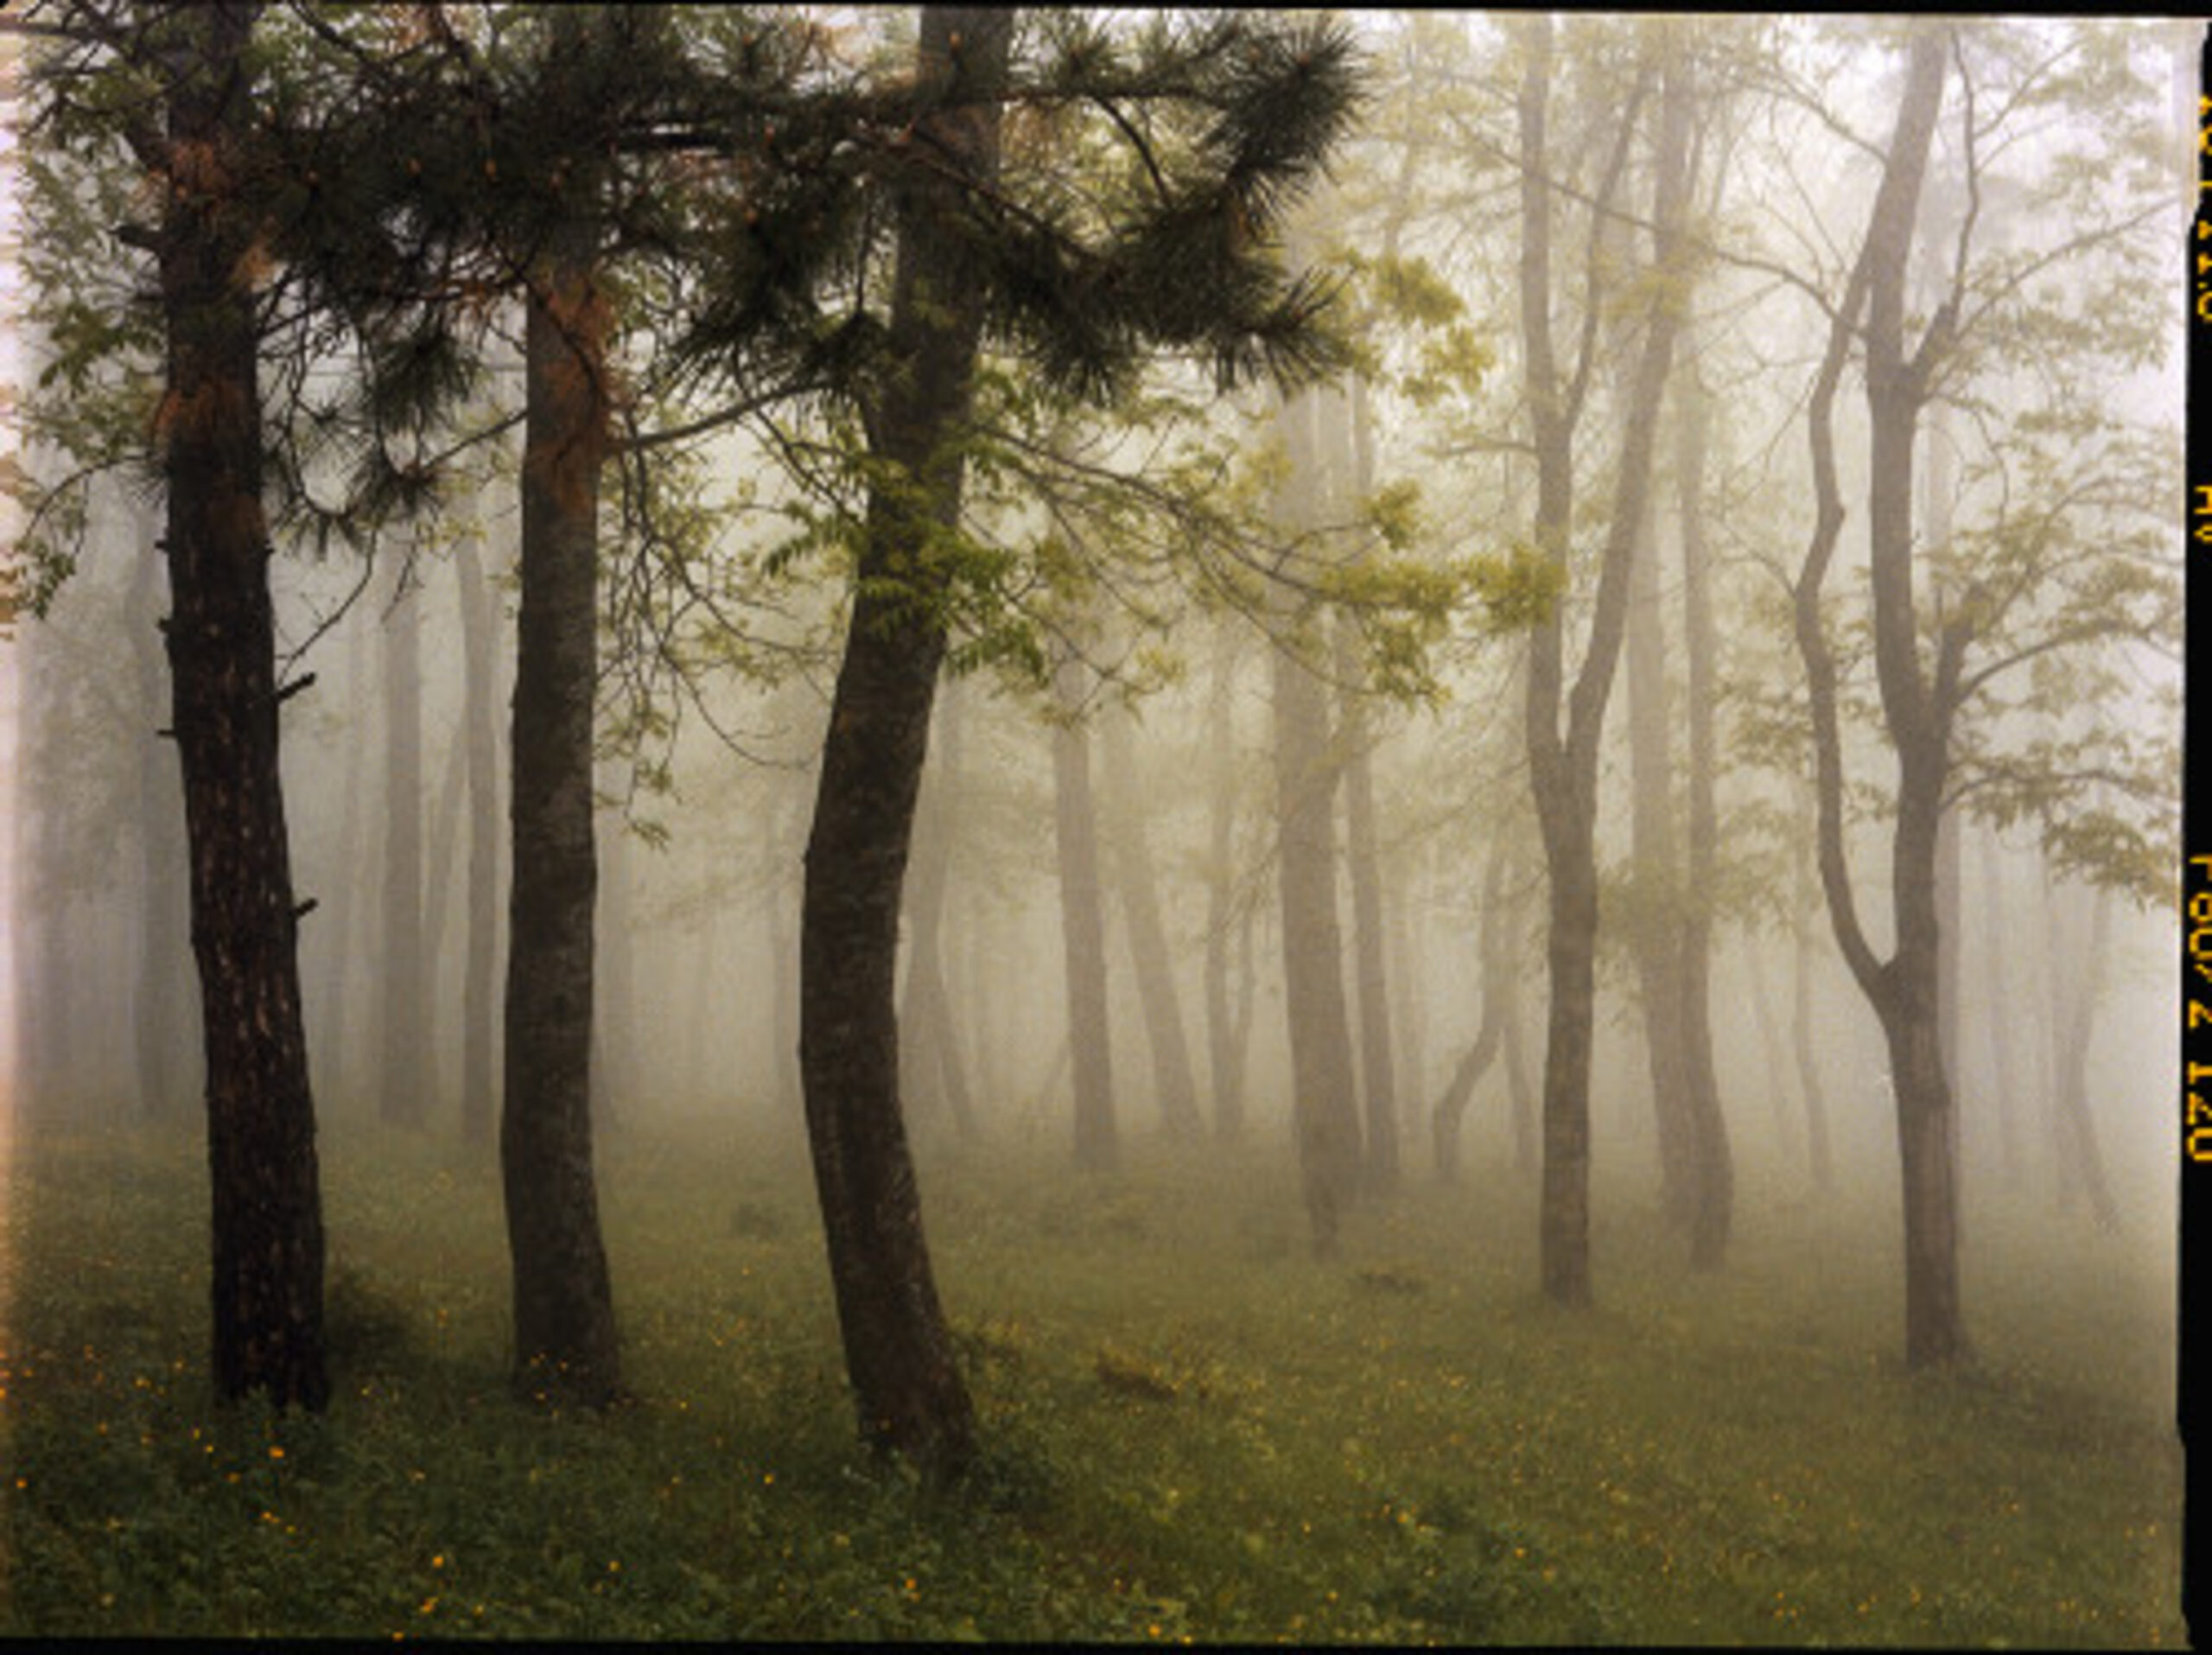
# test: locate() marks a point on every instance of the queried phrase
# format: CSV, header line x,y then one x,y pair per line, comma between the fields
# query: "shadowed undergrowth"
x,y
1193,1430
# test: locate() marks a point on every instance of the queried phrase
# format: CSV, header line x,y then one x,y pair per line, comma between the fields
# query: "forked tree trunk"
x,y
267,1242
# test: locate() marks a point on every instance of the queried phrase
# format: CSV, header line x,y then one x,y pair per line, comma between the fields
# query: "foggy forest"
x,y
1089,824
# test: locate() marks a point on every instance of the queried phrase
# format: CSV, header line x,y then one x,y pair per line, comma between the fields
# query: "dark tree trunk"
x,y
564,1331
1083,928
479,1009
402,1057
268,1245
906,1388
1149,954
1325,1101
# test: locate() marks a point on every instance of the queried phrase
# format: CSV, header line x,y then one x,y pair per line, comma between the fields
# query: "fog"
x,y
1151,670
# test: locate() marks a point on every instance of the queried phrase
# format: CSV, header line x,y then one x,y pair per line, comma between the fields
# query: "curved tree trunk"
x,y
267,1242
1446,1119
906,1388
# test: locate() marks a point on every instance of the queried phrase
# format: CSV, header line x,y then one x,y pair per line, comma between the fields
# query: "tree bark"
x,y
906,1388
268,1241
564,1329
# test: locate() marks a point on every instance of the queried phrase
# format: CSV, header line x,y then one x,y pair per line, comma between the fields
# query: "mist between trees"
x,y
1418,596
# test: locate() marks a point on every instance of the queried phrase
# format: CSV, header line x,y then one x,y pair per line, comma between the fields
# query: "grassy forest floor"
x,y
1194,1431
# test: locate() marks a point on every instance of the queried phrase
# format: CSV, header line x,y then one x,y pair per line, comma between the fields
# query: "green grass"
x,y
1194,1431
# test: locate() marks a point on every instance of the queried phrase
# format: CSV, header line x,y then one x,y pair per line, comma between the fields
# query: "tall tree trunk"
x,y
267,1243
564,1330
1083,927
1654,925
1363,846
1563,765
479,1009
1149,954
906,1388
403,1060
1225,1029
1324,1095
1715,1160
1917,710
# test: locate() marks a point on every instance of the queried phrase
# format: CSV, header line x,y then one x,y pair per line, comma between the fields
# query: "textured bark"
x,y
1820,1156
906,1388
267,1242
1325,1101
564,1331
1173,1081
403,976
479,1010
1083,929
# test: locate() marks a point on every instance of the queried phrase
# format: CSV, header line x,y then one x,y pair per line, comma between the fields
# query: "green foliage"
x,y
1342,1460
